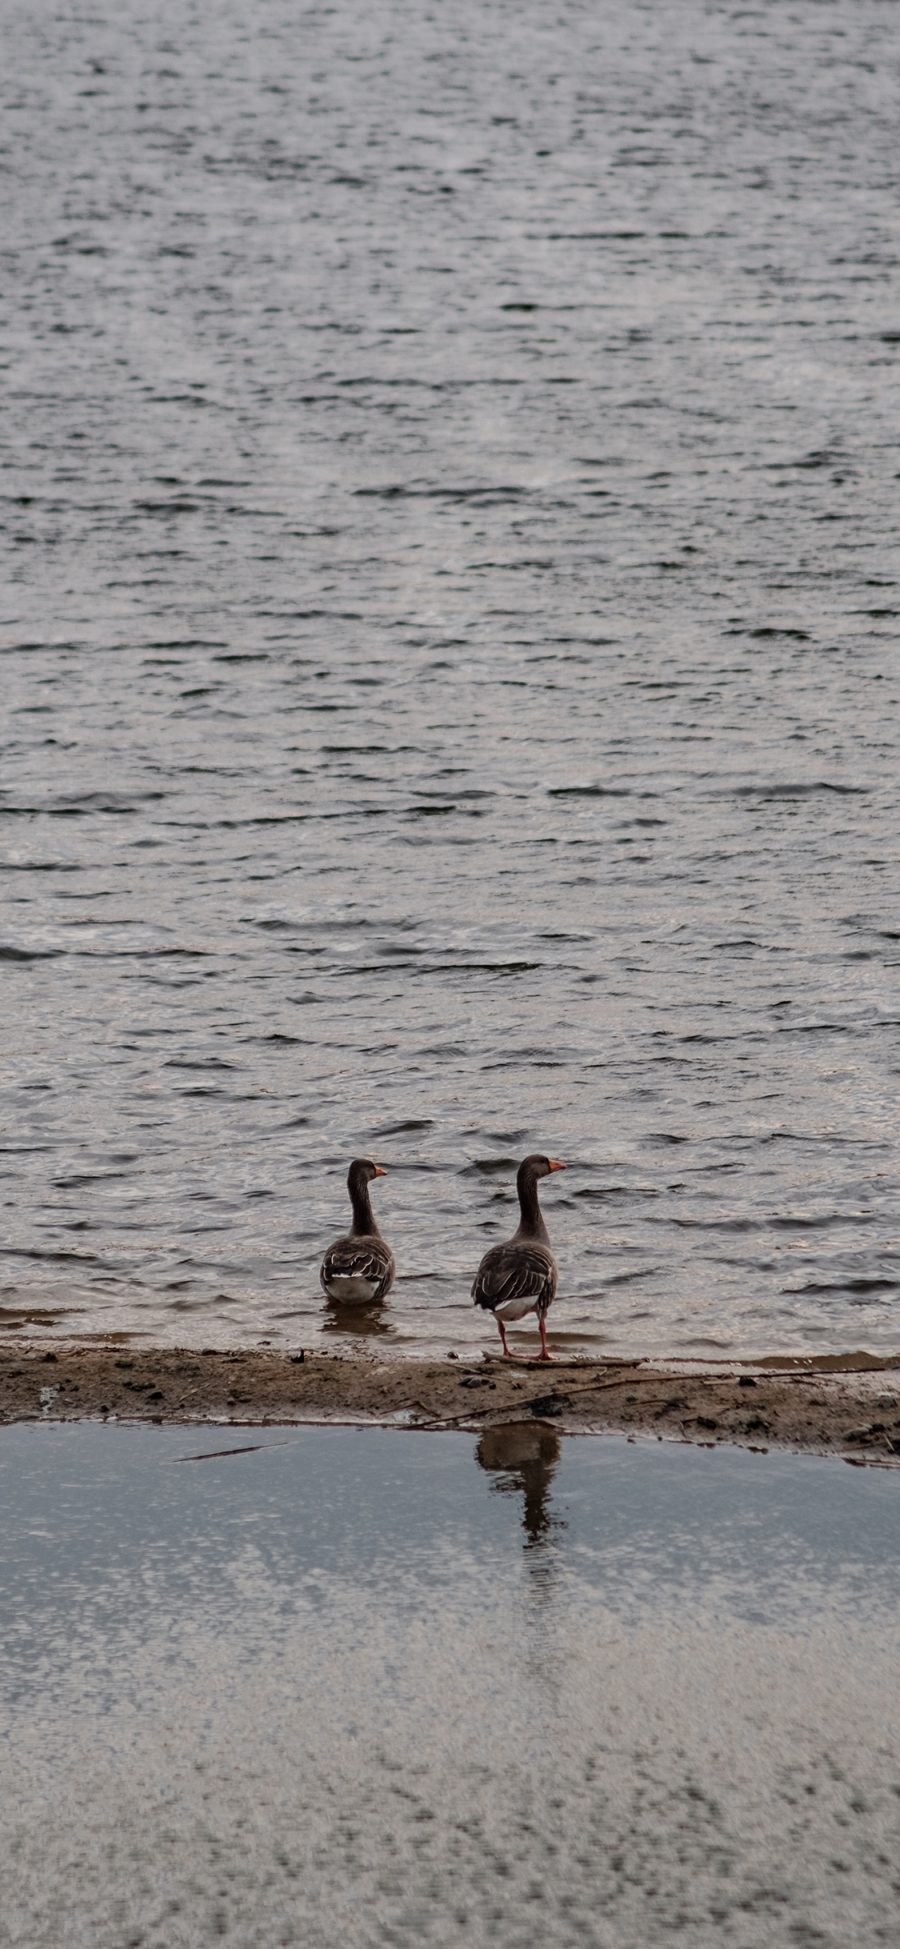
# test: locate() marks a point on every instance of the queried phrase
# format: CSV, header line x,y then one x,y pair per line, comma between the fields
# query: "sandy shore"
x,y
850,1408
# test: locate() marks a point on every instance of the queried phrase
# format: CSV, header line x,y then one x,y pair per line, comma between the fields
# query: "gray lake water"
x,y
449,661
377,1688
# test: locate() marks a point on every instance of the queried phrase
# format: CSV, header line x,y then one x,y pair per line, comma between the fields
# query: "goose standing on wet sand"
x,y
359,1268
520,1276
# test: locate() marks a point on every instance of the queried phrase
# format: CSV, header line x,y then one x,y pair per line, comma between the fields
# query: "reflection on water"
x,y
339,1686
295,1688
523,1459
356,1322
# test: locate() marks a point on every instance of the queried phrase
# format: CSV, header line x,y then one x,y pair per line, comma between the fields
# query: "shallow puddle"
x,y
308,1686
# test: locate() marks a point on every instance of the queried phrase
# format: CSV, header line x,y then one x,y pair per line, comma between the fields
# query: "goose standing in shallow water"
x,y
360,1267
520,1276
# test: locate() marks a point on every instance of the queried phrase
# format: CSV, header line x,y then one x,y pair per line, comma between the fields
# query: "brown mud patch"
x,y
851,1409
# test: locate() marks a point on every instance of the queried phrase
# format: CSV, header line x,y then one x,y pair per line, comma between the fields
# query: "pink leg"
x,y
545,1353
503,1336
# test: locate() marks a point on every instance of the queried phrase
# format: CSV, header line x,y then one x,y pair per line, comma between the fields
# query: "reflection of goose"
x,y
520,1276
358,1319
527,1457
360,1267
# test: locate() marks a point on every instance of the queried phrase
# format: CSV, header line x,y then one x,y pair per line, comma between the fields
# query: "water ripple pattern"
x,y
449,662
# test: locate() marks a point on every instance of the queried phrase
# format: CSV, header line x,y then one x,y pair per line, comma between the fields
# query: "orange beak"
x,y
555,1164
379,1173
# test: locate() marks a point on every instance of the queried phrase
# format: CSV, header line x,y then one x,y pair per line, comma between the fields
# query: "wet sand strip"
x,y
850,1409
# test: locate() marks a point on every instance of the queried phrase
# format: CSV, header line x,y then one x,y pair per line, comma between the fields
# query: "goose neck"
x,y
363,1215
531,1223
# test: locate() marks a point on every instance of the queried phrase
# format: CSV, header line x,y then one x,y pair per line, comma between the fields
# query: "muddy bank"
x,y
852,1410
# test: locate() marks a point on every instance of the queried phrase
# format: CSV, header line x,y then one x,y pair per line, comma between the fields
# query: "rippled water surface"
x,y
449,629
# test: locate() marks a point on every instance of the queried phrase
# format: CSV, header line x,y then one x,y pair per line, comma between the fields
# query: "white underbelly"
x,y
514,1309
352,1290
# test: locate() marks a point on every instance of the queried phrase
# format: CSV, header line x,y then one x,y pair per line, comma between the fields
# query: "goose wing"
x,y
517,1271
359,1258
